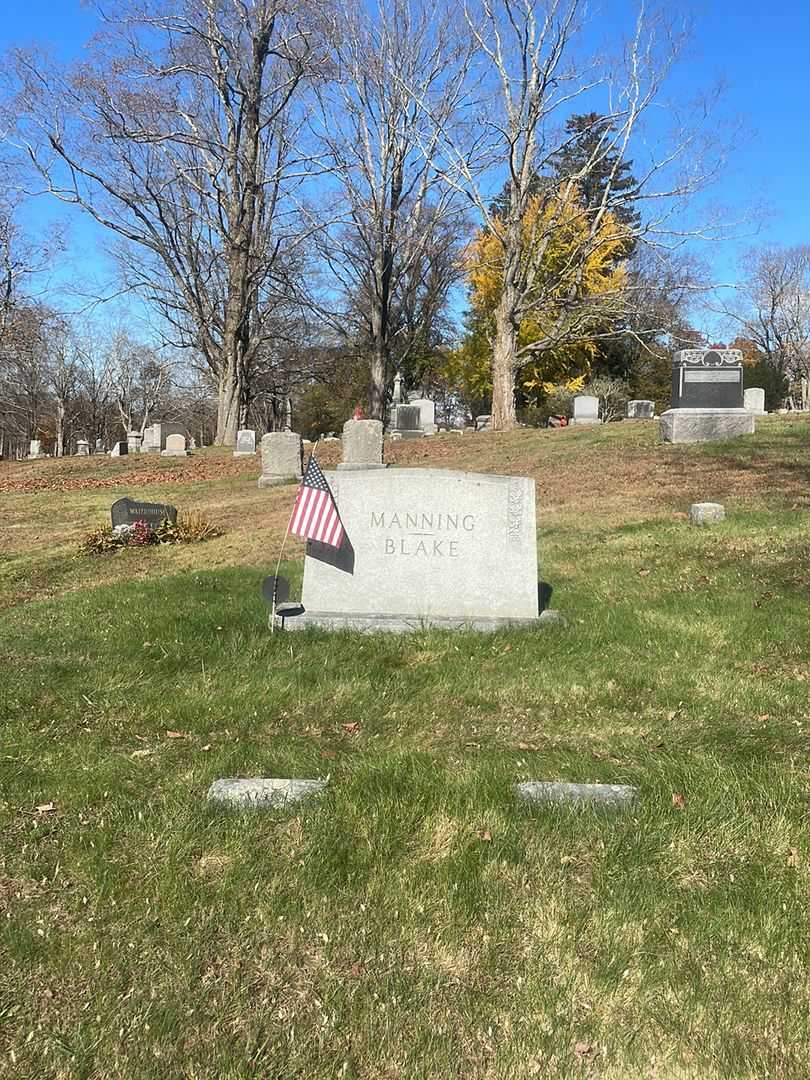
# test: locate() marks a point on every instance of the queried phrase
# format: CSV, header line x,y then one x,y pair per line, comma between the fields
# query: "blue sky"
x,y
761,51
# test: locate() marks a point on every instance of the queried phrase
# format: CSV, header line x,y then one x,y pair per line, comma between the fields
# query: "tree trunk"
x,y
376,390
504,344
230,393
59,449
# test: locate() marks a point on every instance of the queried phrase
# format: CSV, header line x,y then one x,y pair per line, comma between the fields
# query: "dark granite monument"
x,y
707,397
128,511
707,379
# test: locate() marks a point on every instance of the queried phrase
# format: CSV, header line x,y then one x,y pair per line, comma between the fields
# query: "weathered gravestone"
x,y
282,458
35,450
483,422
640,410
175,446
408,422
127,511
156,435
707,397
82,447
586,409
99,446
134,439
427,414
707,513
426,546
362,445
754,400
245,443
119,449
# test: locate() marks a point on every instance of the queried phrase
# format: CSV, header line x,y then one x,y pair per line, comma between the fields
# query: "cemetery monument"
x,y
425,546
362,445
245,443
282,458
707,397
640,410
586,409
754,400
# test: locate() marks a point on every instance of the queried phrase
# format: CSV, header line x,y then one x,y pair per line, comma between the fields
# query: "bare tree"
x,y
140,378
378,143
177,133
771,307
532,61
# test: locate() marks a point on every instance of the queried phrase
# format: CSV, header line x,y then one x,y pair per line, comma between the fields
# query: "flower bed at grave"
x,y
188,529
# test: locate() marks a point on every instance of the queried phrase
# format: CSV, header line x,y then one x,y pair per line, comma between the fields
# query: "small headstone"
x,y
586,409
427,414
282,458
263,793
127,511
640,410
483,422
408,422
134,439
754,400
99,446
82,447
362,445
175,446
119,449
707,513
245,443
551,791
156,435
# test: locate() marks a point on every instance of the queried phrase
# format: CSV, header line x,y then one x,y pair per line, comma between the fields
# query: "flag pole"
x,y
281,552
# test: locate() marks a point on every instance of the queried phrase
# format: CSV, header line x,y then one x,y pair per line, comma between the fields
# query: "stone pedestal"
x,y
586,409
754,400
362,445
705,425
134,439
640,410
282,458
82,447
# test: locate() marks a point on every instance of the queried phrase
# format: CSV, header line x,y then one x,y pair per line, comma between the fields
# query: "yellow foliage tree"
x,y
572,280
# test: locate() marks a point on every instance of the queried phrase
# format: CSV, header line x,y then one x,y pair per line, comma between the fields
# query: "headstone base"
x,y
244,453
705,425
175,453
406,624
582,421
276,481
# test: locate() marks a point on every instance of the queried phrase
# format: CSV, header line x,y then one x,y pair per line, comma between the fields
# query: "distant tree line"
x,y
302,192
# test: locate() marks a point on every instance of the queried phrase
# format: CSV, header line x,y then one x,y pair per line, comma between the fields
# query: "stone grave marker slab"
x,y
175,446
640,410
263,793
754,400
553,791
282,458
362,445
245,443
429,547
586,409
127,511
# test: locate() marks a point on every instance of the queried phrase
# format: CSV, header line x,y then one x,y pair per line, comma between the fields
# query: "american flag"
x,y
315,515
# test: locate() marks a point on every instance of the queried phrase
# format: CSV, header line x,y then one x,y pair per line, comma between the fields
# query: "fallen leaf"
x,y
351,729
176,734
47,808
206,747
140,753
355,971
793,857
643,573
507,648
484,834
583,1049
678,801
328,754
763,717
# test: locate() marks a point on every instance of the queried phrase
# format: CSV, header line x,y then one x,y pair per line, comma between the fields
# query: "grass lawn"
x,y
417,922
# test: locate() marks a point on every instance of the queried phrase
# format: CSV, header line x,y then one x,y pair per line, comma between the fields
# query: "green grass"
x,y
418,921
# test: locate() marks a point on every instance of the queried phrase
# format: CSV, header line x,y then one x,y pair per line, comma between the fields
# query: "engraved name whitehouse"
x,y
431,544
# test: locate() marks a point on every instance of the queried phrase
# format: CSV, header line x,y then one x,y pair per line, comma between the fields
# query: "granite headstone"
x,y
245,443
428,546
640,410
282,458
586,409
127,511
754,400
362,445
175,446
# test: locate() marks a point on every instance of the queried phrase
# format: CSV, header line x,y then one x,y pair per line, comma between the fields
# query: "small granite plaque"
x,y
127,511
